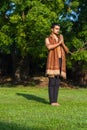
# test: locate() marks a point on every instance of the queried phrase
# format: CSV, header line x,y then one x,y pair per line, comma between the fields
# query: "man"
x,y
56,64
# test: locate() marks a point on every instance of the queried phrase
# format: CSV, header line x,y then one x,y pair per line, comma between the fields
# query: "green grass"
x,y
27,108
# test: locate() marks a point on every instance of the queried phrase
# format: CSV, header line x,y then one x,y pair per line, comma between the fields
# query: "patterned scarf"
x,y
53,65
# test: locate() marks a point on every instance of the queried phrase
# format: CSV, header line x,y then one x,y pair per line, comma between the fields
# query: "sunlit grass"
x,y
28,108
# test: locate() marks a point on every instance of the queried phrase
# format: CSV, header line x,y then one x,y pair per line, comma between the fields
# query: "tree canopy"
x,y
25,24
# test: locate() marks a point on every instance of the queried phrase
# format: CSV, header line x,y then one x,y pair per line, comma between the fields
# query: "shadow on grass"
x,y
11,126
33,97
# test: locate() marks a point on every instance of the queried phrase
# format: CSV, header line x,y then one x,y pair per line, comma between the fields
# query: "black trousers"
x,y
53,86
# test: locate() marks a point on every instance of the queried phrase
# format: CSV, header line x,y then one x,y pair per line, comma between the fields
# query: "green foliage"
x,y
29,25
15,19
5,43
75,34
76,43
82,55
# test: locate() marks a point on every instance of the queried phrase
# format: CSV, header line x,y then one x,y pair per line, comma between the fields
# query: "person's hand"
x,y
60,42
61,39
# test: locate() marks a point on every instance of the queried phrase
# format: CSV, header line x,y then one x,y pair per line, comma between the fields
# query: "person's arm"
x,y
49,46
63,45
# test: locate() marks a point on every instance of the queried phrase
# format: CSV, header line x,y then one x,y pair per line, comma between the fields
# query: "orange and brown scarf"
x,y
53,65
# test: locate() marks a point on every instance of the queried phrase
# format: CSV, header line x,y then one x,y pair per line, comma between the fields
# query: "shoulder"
x,y
47,38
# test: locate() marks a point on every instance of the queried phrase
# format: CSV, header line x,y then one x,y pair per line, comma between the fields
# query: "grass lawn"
x,y
27,108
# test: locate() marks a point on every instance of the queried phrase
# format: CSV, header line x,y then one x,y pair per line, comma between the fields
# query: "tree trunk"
x,y
16,68
83,78
20,68
24,68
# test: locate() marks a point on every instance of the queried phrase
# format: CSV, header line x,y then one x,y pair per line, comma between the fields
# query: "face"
x,y
56,29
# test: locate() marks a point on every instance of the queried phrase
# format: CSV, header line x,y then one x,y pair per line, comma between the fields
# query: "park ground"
x,y
28,108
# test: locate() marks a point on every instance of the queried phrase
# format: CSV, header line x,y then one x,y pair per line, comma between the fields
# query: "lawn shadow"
x,y
33,97
11,126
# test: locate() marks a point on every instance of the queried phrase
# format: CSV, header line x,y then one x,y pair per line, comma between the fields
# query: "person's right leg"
x,y
56,88
51,86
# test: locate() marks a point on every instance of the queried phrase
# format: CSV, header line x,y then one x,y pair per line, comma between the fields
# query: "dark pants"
x,y
53,86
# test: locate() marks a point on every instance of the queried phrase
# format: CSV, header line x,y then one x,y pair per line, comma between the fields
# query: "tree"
x,y
76,39
25,24
23,32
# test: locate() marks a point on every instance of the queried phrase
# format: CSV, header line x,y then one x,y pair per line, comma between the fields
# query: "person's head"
x,y
55,28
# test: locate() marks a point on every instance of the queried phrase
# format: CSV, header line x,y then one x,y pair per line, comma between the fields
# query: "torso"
x,y
59,51
58,48
56,39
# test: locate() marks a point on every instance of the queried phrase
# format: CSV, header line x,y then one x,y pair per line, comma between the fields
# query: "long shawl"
x,y
53,66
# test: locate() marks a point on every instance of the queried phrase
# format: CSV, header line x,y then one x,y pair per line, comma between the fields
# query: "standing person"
x,y
56,62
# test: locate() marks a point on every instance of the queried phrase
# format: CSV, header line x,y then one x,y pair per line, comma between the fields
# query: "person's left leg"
x,y
56,88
